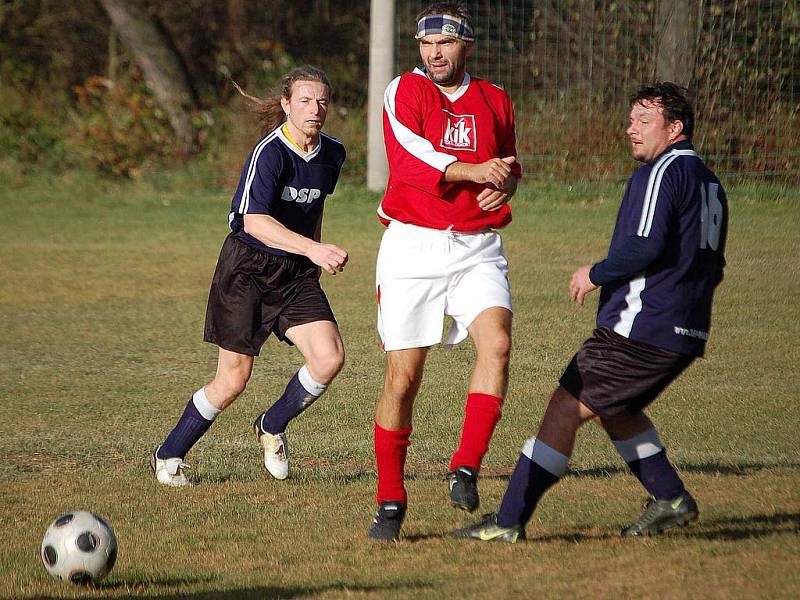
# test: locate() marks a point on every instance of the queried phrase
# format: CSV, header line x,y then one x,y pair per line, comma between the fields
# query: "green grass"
x,y
102,299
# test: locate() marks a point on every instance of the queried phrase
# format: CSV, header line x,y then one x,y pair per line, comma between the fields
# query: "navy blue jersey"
x,y
287,184
670,231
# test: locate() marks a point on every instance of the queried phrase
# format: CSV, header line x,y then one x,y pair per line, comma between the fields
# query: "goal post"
x,y
381,72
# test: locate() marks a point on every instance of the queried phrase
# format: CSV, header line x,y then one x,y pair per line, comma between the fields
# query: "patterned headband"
x,y
446,25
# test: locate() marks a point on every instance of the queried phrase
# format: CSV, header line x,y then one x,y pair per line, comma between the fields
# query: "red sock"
x,y
390,457
481,415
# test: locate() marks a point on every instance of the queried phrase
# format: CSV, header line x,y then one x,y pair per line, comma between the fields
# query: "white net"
x,y
570,66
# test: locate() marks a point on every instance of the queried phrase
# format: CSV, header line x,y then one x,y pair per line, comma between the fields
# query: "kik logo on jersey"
x,y
458,131
291,194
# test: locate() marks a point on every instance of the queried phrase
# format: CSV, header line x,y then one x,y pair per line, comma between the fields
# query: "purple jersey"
x,y
674,213
287,184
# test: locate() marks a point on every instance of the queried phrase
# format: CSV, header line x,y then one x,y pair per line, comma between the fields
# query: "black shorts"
x,y
256,293
613,375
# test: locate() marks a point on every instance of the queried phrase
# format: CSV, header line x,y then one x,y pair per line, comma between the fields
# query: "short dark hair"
x,y
673,100
454,9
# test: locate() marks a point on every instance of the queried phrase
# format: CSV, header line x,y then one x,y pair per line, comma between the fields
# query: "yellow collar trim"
x,y
285,131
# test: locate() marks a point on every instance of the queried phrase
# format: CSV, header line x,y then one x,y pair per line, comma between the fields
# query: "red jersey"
x,y
425,130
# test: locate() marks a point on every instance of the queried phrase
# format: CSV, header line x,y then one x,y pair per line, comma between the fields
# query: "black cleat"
x,y
659,515
464,488
487,530
387,521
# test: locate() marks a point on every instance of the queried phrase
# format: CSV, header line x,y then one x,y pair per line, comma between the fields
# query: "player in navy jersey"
x,y
665,259
267,275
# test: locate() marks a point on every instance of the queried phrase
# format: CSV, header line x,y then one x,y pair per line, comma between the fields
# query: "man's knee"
x,y
231,383
625,426
402,381
496,348
566,410
325,366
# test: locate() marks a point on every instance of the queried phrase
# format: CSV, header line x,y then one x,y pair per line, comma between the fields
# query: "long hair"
x,y
269,110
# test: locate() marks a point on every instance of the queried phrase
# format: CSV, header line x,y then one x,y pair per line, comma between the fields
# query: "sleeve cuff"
x,y
595,275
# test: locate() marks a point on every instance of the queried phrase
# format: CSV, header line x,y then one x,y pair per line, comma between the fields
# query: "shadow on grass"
x,y
345,473
728,528
740,528
258,592
296,591
574,537
421,537
708,468
555,537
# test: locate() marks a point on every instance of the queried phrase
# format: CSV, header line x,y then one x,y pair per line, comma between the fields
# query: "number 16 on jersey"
x,y
710,217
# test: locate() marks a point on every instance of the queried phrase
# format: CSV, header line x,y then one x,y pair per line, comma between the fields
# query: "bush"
x,y
31,133
118,130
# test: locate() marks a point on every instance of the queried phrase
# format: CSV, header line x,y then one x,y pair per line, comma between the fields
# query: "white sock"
x,y
207,410
640,446
543,455
307,381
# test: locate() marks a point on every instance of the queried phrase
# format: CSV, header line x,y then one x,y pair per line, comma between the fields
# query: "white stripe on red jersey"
x,y
426,130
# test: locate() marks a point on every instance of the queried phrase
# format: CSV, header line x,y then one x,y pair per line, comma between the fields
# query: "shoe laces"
x,y
274,443
281,450
179,468
650,512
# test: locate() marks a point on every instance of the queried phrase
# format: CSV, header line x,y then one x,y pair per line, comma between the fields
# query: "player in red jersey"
x,y
451,147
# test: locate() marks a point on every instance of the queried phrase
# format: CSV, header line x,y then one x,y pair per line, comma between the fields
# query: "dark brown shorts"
x,y
256,293
613,375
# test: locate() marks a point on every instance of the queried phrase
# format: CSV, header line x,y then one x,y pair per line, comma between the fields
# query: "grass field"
x,y
102,298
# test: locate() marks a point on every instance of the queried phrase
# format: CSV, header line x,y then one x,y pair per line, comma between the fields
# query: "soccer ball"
x,y
79,547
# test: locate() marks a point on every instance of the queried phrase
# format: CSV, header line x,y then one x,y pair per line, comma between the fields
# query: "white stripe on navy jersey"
x,y
634,300
636,286
330,137
661,196
414,144
306,156
244,203
651,199
654,187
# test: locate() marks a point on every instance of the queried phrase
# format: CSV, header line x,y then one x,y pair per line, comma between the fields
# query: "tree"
x,y
677,30
160,64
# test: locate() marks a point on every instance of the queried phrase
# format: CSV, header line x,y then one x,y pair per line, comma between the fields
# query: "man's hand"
x,y
492,199
330,257
494,172
580,285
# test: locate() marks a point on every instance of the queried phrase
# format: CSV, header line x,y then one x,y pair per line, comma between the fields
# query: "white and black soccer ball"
x,y
79,547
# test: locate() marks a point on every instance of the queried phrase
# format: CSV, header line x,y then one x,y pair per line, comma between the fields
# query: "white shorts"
x,y
424,274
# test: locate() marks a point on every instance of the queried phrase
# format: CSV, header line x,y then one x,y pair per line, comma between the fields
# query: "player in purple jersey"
x,y
267,275
665,259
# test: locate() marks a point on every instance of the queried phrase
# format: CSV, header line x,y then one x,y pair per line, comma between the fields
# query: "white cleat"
x,y
169,471
276,453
